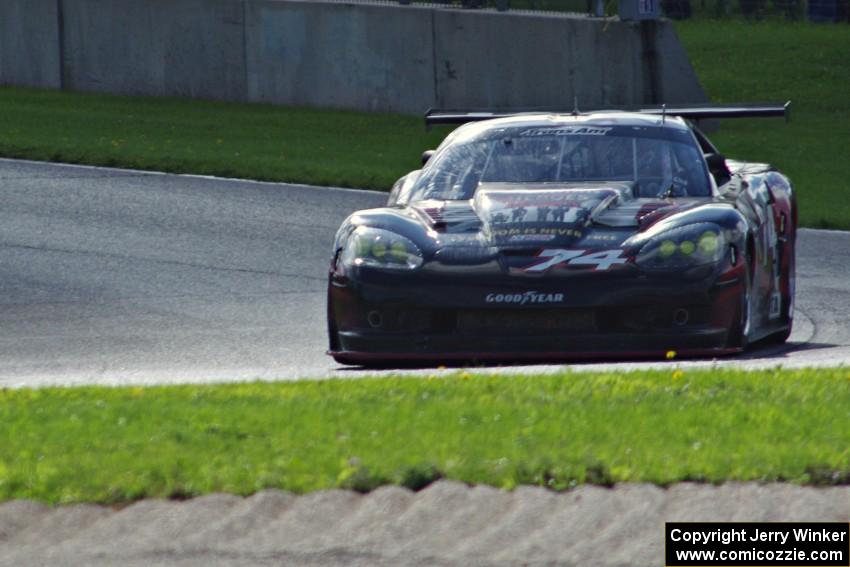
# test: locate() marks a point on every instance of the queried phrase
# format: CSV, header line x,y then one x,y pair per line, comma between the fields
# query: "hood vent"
x,y
443,215
632,213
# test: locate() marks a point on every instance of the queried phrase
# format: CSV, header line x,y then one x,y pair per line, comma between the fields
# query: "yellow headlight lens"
x,y
667,248
398,251
382,249
708,243
687,247
361,246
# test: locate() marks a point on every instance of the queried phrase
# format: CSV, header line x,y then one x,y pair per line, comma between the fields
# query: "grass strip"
x,y
775,60
252,141
118,444
735,60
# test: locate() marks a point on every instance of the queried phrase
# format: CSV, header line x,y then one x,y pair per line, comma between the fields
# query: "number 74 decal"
x,y
551,257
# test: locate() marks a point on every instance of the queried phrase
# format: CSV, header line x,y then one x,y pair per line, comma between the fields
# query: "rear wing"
x,y
687,111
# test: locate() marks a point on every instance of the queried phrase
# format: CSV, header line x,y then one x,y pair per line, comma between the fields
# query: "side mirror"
x,y
717,166
426,155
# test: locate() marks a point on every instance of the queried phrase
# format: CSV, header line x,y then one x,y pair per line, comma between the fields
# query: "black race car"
x,y
537,235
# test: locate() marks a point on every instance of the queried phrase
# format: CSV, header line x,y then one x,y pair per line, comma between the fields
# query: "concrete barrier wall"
x,y
29,43
193,48
365,56
504,59
677,81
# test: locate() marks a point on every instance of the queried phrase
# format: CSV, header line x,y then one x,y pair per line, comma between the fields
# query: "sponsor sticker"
x,y
566,131
531,237
524,298
535,233
551,257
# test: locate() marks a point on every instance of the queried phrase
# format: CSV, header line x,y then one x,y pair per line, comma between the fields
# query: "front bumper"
x,y
448,319
367,351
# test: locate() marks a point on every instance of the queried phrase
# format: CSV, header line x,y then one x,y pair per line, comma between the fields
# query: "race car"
x,y
538,235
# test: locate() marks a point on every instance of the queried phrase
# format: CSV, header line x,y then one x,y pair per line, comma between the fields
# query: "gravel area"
x,y
447,524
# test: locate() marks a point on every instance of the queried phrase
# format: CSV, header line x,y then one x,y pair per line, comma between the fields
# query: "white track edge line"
x,y
190,175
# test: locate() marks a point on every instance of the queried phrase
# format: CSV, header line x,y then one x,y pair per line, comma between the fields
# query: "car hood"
x,y
506,215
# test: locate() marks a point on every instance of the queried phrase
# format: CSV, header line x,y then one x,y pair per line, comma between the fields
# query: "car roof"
x,y
606,118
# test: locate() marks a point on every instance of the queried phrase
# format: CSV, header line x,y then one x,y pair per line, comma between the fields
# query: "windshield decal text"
x,y
566,131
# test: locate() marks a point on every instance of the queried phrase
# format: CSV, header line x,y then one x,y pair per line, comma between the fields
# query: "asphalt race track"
x,y
110,276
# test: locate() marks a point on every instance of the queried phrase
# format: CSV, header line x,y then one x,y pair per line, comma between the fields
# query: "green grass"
x,y
801,62
256,141
119,444
735,60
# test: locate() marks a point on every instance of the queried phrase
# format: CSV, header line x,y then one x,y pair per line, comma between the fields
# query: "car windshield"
x,y
661,162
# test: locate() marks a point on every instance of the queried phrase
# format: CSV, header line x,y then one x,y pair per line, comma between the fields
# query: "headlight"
x,y
692,245
381,249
